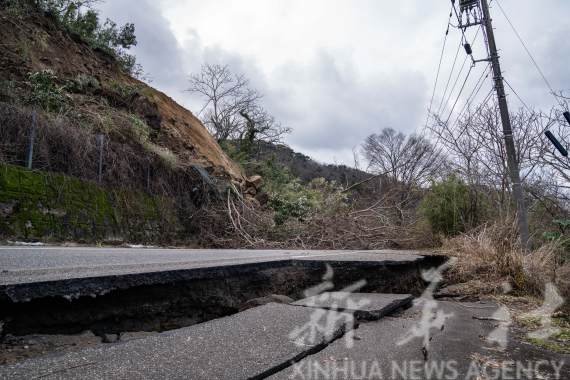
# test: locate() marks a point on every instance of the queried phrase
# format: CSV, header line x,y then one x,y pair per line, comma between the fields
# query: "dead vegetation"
x,y
491,261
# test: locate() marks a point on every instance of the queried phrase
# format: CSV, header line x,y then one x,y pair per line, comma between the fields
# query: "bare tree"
x,y
475,147
356,159
226,96
410,160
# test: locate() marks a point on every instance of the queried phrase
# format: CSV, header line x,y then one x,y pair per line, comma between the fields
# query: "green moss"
x,y
9,179
61,207
32,183
79,191
8,196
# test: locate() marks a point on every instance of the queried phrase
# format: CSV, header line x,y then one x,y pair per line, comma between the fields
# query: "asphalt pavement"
x,y
21,265
431,340
434,340
253,344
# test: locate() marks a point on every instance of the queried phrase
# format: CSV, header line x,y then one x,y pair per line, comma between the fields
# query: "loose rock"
x,y
109,338
250,191
252,200
275,298
9,338
255,182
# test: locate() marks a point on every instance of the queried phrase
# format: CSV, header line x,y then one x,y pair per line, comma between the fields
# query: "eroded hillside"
x,y
35,43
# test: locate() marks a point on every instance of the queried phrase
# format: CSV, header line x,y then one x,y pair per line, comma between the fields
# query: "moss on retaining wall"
x,y
34,204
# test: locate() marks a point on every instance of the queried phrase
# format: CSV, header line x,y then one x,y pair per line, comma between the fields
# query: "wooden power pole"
x,y
506,121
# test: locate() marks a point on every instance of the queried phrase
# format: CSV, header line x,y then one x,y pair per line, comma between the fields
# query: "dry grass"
x,y
491,261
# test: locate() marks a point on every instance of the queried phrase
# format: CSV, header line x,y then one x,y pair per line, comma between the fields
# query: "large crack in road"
x,y
145,297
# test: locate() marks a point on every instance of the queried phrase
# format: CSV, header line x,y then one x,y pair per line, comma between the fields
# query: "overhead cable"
x,y
530,55
439,67
458,76
458,95
450,75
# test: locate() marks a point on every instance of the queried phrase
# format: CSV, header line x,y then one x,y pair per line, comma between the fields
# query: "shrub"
x,y
82,19
46,92
140,128
292,201
492,255
6,88
87,80
561,238
289,198
446,205
130,89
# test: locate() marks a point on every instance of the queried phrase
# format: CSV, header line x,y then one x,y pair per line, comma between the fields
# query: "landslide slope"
x,y
37,43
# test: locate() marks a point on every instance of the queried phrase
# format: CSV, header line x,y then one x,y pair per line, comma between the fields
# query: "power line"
x,y
450,75
439,67
517,95
466,124
458,95
458,76
530,55
454,84
472,97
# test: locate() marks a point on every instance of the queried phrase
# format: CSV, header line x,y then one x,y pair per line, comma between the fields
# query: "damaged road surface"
x,y
433,340
343,315
253,344
55,299
29,273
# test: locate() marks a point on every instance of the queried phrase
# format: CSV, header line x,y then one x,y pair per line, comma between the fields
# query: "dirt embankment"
x,y
38,43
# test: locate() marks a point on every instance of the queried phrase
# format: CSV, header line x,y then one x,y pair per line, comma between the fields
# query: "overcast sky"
x,y
336,71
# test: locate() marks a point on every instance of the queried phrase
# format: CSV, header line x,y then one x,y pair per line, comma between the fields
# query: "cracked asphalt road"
x,y
20,265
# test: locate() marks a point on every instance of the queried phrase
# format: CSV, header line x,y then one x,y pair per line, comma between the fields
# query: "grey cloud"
x,y
157,48
331,107
330,104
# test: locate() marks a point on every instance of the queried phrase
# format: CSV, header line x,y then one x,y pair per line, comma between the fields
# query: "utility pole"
x,y
506,121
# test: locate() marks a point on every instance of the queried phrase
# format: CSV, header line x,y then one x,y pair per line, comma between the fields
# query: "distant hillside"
x,y
308,169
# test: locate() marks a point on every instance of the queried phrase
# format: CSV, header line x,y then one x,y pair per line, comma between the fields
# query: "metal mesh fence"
x,y
66,148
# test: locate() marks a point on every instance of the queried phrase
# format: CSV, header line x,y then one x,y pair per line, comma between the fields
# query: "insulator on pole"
x,y
567,116
468,49
555,142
